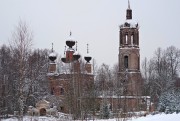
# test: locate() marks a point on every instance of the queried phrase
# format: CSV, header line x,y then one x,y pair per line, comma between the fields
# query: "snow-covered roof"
x,y
65,68
76,53
52,74
117,97
70,38
126,47
87,55
70,49
129,23
53,54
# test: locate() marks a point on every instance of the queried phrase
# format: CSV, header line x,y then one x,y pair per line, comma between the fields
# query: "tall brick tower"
x,y
129,56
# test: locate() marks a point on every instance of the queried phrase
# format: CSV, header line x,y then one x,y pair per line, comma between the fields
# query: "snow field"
x,y
157,117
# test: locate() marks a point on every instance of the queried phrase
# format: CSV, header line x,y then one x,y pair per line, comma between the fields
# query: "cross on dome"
x,y
52,48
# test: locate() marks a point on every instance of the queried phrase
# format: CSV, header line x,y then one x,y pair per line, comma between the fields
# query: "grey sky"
x,y
95,22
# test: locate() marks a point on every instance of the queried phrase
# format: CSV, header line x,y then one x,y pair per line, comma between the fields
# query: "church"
x,y
71,80
73,83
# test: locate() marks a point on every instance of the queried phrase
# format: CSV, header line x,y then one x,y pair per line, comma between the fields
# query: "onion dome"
x,y
88,57
52,55
63,59
76,56
70,41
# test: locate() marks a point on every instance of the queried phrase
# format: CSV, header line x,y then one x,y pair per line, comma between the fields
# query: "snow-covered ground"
x,y
160,117
157,117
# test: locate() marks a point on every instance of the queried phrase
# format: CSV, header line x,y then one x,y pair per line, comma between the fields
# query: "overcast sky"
x,y
95,22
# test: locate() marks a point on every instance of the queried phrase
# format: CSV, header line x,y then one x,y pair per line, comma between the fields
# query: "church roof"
x,y
53,54
129,23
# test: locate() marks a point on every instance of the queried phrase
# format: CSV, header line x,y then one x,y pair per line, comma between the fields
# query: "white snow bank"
x,y
29,118
157,117
160,117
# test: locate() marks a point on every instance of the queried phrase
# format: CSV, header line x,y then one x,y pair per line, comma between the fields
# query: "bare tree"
x,y
172,57
161,71
21,44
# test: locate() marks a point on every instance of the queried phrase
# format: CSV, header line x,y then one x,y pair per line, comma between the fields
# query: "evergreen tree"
x,y
105,111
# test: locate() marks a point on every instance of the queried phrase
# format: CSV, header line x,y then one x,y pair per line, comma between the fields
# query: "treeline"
x,y
33,75
22,72
162,82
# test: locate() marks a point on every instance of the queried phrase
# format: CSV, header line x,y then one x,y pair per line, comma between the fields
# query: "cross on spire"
x,y
87,48
76,45
64,50
129,5
52,48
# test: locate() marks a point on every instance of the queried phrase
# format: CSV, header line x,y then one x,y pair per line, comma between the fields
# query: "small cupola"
x,y
88,57
70,41
76,55
52,55
63,59
69,52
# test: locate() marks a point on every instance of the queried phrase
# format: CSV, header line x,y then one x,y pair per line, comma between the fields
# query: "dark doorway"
x,y
42,112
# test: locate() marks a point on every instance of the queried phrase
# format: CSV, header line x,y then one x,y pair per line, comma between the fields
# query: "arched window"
x,y
126,41
62,91
126,61
132,39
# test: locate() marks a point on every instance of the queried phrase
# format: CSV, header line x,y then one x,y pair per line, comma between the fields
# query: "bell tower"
x,y
129,56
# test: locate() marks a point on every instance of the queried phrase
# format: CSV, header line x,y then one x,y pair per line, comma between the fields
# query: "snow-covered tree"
x,y
169,101
160,72
105,111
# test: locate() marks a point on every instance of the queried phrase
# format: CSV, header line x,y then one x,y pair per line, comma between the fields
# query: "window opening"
x,y
132,39
126,39
126,61
62,91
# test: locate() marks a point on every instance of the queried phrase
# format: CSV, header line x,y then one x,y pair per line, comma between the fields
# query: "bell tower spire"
x,y
128,12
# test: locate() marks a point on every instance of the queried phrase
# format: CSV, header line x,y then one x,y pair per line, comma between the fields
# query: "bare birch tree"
x,y
21,44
